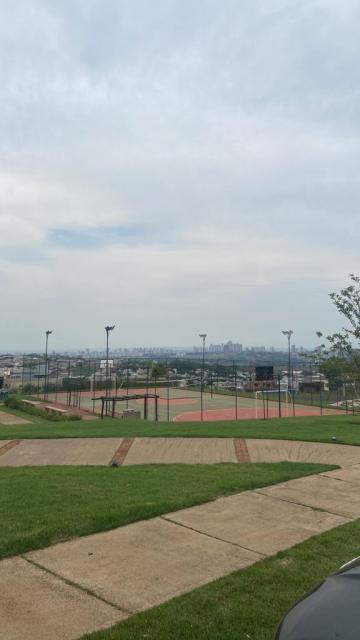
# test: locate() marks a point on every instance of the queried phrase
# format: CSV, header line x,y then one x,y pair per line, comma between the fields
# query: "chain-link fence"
x,y
187,390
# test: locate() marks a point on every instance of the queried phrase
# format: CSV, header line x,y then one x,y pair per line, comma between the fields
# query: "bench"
x,y
33,403
56,410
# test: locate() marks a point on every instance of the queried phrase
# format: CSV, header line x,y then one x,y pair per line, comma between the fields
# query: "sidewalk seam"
x,y
308,506
75,585
324,475
208,535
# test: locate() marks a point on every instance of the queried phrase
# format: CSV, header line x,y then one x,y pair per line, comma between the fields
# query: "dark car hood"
x,y
330,612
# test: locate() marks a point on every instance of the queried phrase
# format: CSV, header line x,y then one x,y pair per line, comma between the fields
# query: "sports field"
x,y
182,405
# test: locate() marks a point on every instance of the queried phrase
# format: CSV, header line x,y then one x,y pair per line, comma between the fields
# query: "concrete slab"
x,y
350,474
143,564
63,451
181,450
295,451
320,492
35,605
257,522
10,419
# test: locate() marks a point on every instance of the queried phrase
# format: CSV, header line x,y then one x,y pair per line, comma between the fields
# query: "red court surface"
x,y
139,390
249,413
179,405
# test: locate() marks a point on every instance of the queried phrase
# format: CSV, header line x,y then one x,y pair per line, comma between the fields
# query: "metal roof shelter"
x,y
106,400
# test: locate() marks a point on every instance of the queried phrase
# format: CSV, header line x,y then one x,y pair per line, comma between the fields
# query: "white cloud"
x,y
218,143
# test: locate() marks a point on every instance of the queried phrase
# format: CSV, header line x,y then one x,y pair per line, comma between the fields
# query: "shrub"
x,y
14,402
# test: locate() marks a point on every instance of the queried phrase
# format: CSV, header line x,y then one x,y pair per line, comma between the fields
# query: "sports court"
x,y
184,405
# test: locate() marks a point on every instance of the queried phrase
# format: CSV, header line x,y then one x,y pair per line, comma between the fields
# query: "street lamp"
x,y
203,337
47,334
319,351
289,333
108,329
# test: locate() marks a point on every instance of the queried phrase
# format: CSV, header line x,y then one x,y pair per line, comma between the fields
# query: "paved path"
x,y
74,451
10,419
89,583
128,451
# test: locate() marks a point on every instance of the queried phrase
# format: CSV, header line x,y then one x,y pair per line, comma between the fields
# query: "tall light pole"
x,y
47,334
289,333
319,351
108,329
203,337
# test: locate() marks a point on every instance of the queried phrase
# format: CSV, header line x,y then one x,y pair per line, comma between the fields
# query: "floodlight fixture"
x,y
288,333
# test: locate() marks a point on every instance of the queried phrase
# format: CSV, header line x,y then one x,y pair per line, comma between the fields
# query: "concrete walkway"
x,y
10,419
92,582
64,451
129,451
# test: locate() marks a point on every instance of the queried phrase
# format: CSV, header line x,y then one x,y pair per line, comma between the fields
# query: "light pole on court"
x,y
203,337
289,333
108,329
47,334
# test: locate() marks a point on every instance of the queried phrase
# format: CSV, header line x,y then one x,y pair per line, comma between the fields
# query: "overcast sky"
x,y
176,167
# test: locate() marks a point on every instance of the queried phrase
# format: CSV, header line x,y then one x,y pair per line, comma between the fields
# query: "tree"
x,y
157,370
345,344
336,370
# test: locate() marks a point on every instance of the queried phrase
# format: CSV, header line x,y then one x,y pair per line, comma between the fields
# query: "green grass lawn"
x,y
248,604
346,428
40,506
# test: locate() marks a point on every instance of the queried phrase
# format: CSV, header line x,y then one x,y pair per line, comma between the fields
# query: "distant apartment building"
x,y
228,349
233,347
216,348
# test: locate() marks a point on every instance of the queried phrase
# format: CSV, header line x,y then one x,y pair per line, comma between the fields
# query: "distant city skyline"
x,y
188,349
